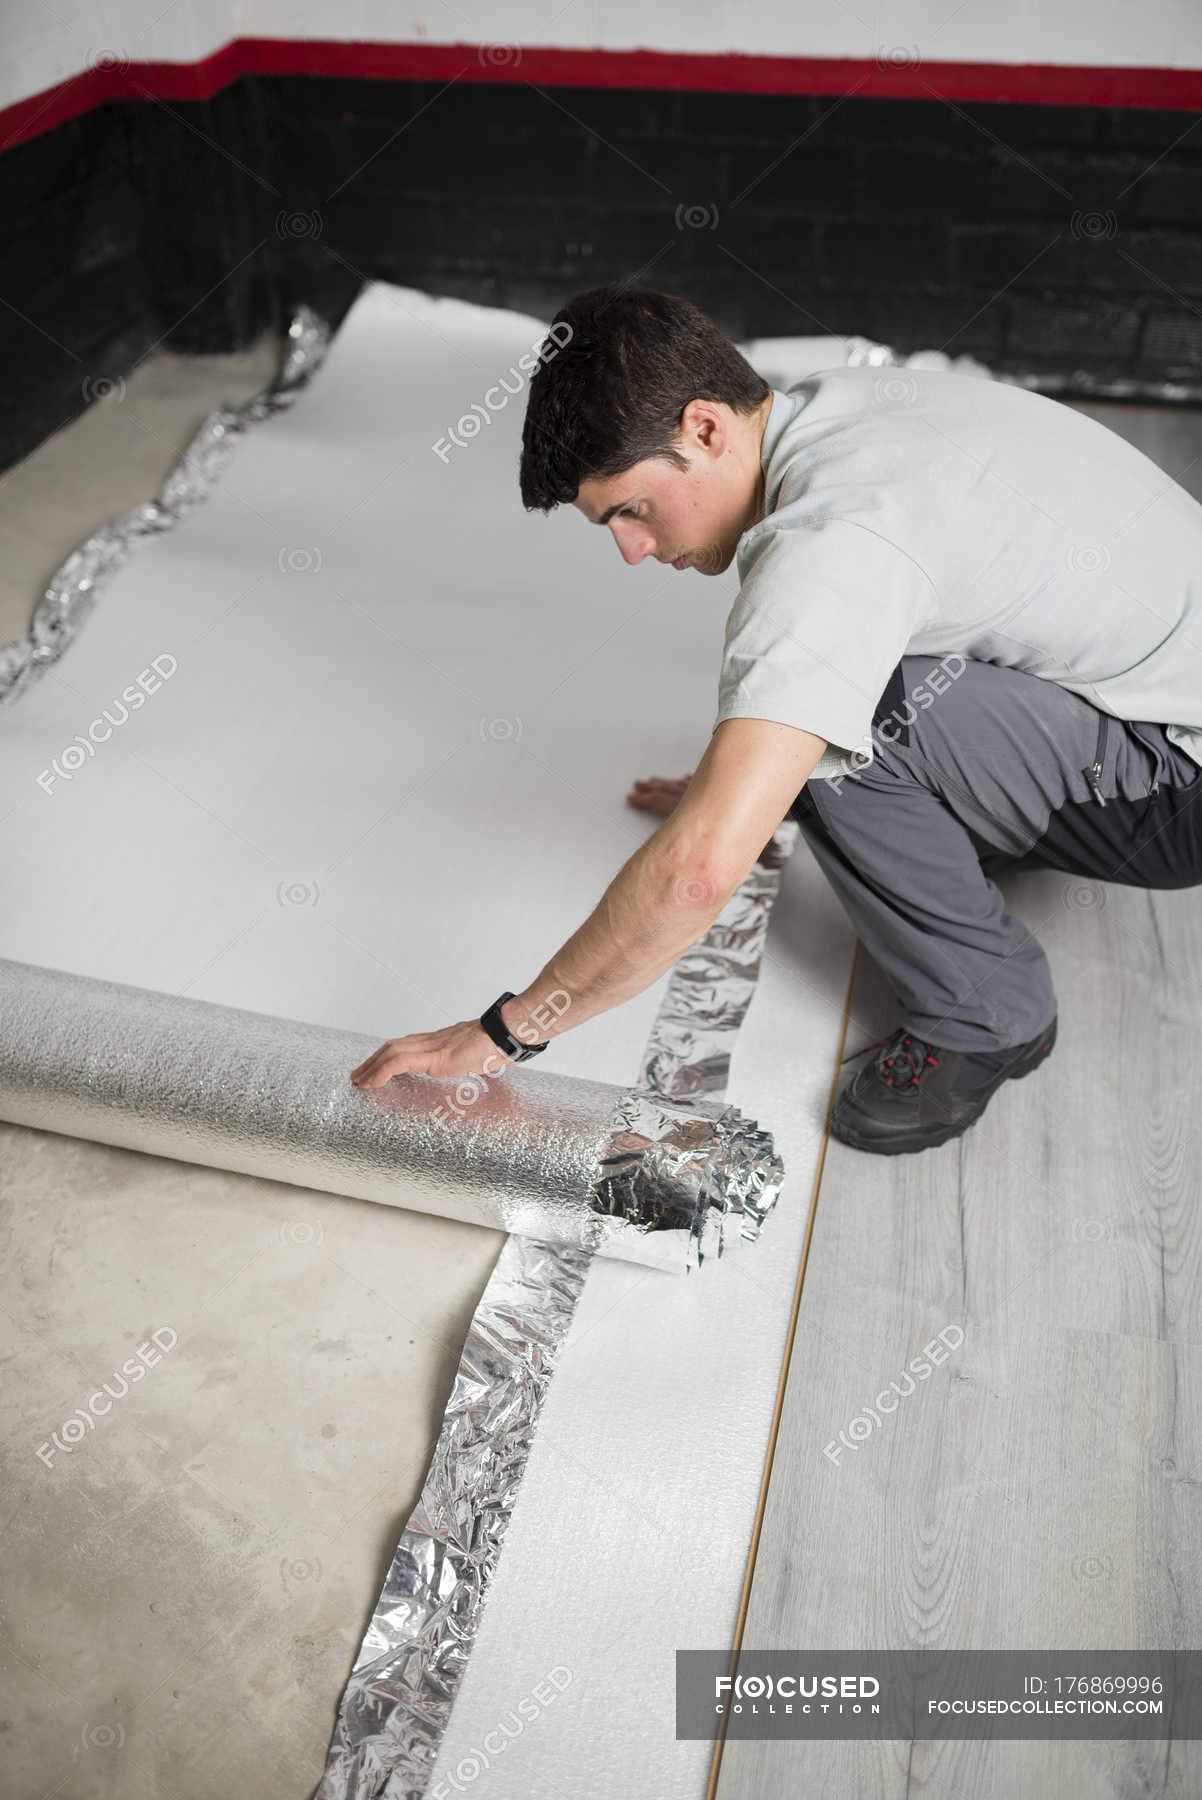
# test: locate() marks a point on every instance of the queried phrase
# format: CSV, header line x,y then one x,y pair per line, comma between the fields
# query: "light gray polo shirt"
x,y
917,511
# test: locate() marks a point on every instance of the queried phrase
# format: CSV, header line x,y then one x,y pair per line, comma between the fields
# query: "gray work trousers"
x,y
977,768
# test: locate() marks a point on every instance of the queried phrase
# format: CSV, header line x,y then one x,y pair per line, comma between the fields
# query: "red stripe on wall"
x,y
1048,84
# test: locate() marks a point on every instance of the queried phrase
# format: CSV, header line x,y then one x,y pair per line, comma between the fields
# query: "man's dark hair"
x,y
630,362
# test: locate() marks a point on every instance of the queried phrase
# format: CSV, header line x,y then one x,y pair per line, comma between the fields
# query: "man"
x,y
968,634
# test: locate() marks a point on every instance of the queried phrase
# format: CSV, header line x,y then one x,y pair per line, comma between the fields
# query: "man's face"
x,y
698,514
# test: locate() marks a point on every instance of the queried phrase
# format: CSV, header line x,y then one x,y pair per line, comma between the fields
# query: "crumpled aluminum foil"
x,y
398,1699
396,1704
710,988
74,589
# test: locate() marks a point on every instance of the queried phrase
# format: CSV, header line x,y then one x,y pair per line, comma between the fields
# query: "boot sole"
x,y
906,1144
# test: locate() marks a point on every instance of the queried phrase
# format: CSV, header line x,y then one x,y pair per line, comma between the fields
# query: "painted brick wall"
x,y
1063,243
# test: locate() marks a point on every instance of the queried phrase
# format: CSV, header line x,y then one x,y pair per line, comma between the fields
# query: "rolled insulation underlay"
x,y
619,1171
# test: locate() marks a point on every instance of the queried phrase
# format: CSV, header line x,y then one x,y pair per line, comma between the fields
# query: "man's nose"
x,y
633,544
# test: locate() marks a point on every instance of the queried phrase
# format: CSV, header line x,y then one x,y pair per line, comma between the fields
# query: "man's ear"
x,y
699,424
714,433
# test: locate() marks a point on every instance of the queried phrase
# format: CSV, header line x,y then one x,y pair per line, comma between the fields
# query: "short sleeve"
x,y
820,621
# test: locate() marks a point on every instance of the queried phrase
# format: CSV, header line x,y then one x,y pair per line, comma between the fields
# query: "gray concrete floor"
x,y
184,1589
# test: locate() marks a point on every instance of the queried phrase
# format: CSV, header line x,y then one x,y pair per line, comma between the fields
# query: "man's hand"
x,y
660,793
463,1049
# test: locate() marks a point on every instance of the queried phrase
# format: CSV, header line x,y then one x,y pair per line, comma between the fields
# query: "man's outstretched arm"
x,y
663,898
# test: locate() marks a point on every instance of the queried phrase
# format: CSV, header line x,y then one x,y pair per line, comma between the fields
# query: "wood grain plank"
x,y
1044,1488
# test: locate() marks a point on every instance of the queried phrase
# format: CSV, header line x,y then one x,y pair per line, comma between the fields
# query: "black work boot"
x,y
911,1095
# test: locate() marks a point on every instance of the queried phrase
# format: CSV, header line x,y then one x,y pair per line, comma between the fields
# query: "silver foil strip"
x,y
399,1695
688,1051
398,1698
74,589
602,1168
710,988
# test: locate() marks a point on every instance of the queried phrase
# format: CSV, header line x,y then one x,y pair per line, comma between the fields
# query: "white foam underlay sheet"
x,y
386,782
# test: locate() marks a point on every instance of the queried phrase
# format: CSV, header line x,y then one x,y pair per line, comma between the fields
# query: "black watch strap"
x,y
501,1035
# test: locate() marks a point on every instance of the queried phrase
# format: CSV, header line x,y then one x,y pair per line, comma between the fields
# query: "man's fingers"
x,y
375,1074
389,1060
396,1065
660,793
452,1050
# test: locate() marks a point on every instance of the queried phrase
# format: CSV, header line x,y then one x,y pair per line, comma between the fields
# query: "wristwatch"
x,y
501,1035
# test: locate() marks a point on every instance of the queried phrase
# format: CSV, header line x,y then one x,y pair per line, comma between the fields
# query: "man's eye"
x,y
629,512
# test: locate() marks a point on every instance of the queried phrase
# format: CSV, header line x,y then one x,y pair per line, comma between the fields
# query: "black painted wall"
x,y
1059,242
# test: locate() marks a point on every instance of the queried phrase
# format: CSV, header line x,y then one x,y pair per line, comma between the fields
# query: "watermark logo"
x,y
1094,1231
709,560
1094,226
897,56
1087,559
82,748
299,225
98,388
497,397
936,681
299,561
859,1429
531,1030
72,1431
298,893
898,388
507,1730
296,1233
103,1737
295,1571
696,218
499,56
501,731
696,890
1093,1568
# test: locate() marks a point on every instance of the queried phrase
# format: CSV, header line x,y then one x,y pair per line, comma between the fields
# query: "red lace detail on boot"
x,y
907,1062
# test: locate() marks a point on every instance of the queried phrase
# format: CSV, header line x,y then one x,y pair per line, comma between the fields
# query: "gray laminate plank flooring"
x,y
1044,1488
